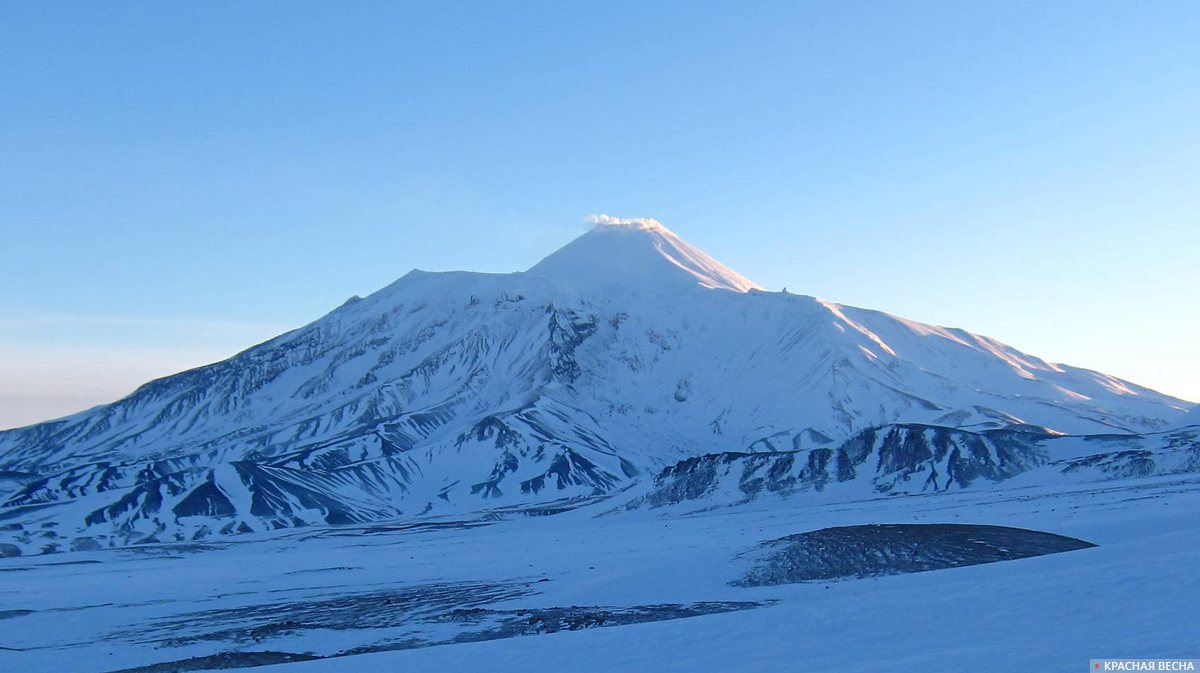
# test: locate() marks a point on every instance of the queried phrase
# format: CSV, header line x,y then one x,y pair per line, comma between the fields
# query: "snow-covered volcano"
x,y
622,353
639,253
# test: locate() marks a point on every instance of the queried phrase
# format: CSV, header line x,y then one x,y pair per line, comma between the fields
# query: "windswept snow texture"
x,y
890,549
445,393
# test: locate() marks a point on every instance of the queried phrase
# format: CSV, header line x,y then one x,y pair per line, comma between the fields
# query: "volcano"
x,y
621,354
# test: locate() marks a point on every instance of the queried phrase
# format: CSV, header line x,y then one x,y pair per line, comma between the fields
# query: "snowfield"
x,y
339,590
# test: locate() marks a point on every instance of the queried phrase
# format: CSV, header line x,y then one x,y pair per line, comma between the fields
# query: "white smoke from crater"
x,y
632,222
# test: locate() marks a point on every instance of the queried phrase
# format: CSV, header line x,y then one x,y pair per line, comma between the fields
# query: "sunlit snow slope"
x,y
620,354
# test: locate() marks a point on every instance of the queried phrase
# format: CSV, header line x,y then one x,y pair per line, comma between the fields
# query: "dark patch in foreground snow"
x,y
391,608
224,660
891,549
417,617
534,621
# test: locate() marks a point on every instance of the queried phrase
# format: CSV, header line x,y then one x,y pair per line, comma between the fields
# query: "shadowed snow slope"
x,y
624,352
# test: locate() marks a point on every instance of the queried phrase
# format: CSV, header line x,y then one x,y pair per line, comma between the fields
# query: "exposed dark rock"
x,y
205,500
911,457
890,549
434,604
222,661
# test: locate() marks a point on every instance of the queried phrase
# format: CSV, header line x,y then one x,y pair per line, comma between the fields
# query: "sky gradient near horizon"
x,y
180,181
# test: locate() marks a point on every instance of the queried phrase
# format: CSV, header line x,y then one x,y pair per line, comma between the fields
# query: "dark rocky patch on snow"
x,y
222,661
535,621
478,624
417,615
322,570
371,610
891,549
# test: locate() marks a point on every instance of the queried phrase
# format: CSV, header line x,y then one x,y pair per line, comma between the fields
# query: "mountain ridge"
x,y
458,391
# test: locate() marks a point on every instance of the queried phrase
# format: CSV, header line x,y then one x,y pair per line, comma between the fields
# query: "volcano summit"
x,y
616,357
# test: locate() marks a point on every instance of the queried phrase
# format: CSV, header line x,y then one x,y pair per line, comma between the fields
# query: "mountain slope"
x,y
905,459
624,352
638,253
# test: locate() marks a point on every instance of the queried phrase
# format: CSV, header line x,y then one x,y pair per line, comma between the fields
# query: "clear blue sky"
x,y
180,180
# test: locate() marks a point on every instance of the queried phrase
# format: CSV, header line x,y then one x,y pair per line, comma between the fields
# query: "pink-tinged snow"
x,y
637,252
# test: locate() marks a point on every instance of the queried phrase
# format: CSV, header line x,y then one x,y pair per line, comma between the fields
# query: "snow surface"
x,y
1132,596
638,252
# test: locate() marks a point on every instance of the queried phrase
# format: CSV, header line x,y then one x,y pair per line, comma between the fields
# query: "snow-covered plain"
x,y
326,592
